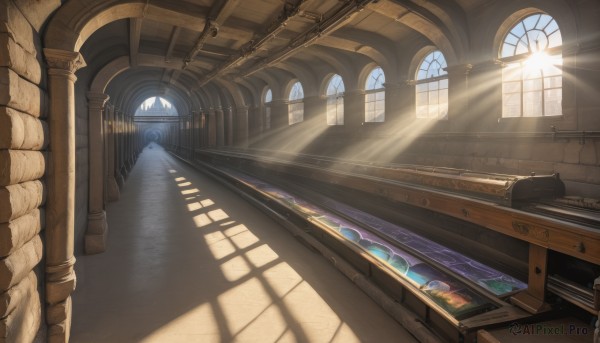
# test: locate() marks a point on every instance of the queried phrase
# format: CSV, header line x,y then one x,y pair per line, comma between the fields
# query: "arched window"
x,y
532,73
375,96
296,105
267,102
335,101
432,87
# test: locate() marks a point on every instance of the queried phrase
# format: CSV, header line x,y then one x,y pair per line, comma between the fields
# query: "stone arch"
x,y
76,21
364,73
562,15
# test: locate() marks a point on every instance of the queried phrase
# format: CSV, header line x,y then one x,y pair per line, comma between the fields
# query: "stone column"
x,y
60,205
354,109
458,90
279,114
393,101
486,96
229,126
195,136
220,117
315,108
95,235
254,122
120,177
129,153
111,181
211,128
242,132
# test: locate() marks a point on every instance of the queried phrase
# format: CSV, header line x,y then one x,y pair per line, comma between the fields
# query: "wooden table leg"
x,y
532,300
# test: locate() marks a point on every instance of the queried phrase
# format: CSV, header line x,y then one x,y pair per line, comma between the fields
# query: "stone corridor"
x,y
190,261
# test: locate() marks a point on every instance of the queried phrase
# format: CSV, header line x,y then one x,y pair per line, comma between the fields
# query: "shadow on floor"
x,y
189,261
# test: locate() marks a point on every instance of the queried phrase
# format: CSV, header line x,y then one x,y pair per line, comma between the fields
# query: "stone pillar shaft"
x,y
242,132
315,107
60,206
354,109
229,134
95,235
112,186
220,127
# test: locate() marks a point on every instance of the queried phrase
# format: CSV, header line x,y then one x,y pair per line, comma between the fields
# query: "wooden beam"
x,y
135,31
172,41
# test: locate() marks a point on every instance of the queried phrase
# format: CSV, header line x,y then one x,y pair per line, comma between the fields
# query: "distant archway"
x,y
156,106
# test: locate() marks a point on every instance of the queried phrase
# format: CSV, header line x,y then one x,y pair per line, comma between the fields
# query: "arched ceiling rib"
x,y
195,48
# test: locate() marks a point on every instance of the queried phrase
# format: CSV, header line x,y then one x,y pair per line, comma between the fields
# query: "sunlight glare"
x,y
188,323
221,248
244,239
194,206
190,191
235,268
183,184
217,215
261,255
202,220
206,202
538,60
179,179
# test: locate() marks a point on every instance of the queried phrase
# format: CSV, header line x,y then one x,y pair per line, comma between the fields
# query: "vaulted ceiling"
x,y
199,47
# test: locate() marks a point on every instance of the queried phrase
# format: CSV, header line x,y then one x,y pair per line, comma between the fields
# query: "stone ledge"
x,y
10,299
21,166
19,264
20,94
24,63
21,131
16,233
23,323
17,200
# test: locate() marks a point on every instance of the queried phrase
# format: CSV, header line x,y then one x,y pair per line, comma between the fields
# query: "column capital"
x,y
279,102
97,100
494,64
314,98
69,61
392,85
355,92
242,109
463,69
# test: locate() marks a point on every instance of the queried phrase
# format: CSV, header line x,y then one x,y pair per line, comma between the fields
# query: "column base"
x,y
95,235
58,317
120,180
112,189
60,283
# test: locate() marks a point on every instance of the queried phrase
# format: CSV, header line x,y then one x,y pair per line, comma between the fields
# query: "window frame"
x,y
335,101
267,100
429,81
296,105
520,60
378,95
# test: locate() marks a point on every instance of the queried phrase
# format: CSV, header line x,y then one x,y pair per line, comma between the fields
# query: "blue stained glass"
x,y
450,294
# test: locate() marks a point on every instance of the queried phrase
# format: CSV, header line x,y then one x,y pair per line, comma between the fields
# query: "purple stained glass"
x,y
445,290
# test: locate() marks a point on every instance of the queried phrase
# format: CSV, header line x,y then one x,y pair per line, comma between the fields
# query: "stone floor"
x,y
189,261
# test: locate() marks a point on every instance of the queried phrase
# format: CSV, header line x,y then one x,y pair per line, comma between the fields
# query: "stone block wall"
x,y
23,139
